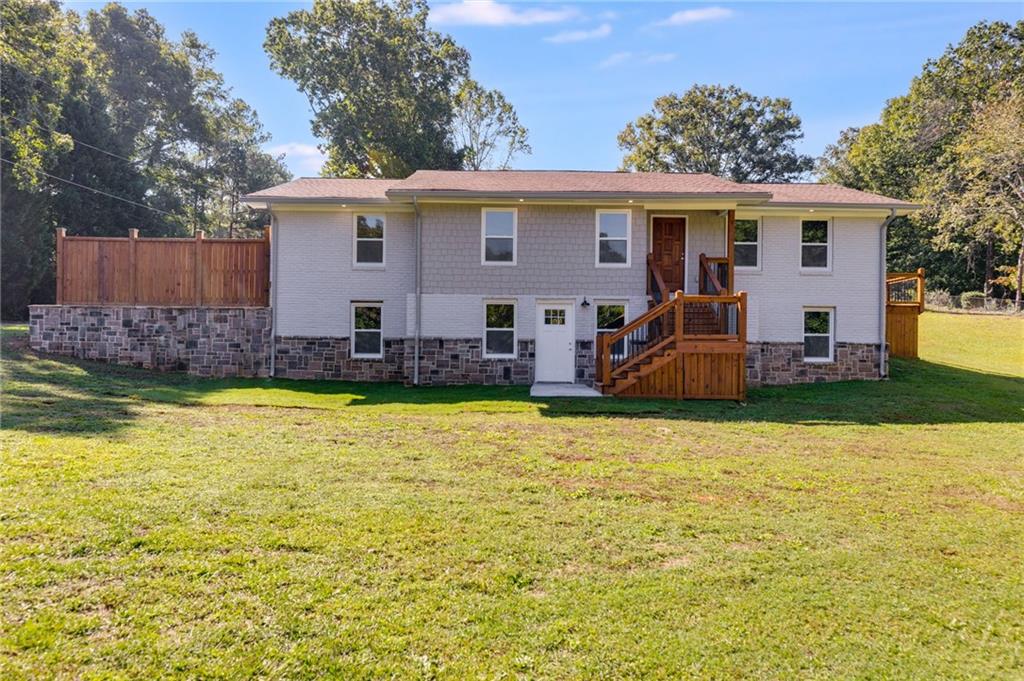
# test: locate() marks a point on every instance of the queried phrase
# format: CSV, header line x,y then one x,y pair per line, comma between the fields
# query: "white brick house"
x,y
509,276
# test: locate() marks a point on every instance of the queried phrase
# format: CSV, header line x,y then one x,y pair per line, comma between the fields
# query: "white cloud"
x,y
602,31
693,16
615,59
492,13
660,58
301,159
620,58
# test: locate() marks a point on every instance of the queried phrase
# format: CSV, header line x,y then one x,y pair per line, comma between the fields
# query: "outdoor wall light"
x,y
585,303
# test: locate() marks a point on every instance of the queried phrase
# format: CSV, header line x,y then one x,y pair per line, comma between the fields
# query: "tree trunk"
x,y
1018,302
989,265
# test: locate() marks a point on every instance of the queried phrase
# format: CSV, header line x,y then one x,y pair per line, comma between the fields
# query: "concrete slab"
x,y
563,390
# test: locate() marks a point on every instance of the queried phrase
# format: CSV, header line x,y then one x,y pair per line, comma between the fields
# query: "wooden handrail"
x,y
658,280
892,278
645,318
706,269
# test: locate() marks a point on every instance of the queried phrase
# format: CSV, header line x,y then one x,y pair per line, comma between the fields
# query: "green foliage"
x,y
379,81
949,143
487,128
971,299
724,131
108,101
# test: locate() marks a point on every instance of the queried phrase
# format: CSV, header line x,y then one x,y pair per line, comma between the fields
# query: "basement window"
x,y
819,335
367,331
500,329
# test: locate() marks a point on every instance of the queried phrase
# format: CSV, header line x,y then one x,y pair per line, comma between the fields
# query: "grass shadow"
x,y
68,395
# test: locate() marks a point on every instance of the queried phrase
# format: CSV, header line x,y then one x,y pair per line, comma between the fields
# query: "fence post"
x,y
133,237
61,233
199,267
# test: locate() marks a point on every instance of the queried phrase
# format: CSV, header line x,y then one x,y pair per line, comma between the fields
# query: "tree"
x,y
102,116
487,128
379,83
719,130
917,151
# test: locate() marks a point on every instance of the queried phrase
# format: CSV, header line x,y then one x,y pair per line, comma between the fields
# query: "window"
x,y
818,335
612,317
498,236
746,247
613,238
554,317
500,330
814,244
369,249
367,336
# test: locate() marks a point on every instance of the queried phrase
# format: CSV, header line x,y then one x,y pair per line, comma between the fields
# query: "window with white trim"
x,y
369,236
819,334
498,236
747,244
612,317
814,244
367,331
500,329
613,228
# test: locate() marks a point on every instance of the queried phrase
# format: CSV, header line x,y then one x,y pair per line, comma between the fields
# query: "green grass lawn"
x,y
154,526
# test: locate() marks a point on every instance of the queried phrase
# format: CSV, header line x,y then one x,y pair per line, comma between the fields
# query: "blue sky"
x,y
578,72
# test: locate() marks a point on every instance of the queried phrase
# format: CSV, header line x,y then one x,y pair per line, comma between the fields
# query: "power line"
x,y
100,191
78,141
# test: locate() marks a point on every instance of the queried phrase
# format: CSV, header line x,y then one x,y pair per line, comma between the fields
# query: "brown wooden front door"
x,y
668,237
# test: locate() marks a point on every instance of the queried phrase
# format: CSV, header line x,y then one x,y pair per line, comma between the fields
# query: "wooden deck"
x,y
904,293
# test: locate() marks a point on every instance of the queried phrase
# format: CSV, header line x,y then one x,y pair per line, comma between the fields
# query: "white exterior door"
x,y
556,343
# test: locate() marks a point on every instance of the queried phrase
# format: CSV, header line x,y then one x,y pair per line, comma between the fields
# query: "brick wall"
x,y
202,341
783,364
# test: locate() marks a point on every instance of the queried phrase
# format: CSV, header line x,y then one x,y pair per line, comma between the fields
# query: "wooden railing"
x,y
163,271
713,276
656,287
905,288
659,337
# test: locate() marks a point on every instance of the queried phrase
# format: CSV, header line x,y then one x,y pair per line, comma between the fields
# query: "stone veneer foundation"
x,y
215,342
783,364
219,342
328,358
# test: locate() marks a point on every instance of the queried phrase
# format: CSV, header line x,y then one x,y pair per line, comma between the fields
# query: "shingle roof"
x,y
326,188
825,194
539,182
567,183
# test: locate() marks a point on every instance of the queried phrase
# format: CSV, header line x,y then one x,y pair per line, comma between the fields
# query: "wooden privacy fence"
x,y
196,272
904,302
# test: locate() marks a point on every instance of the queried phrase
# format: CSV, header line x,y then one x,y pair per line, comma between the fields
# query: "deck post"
x,y
730,253
741,317
680,307
61,233
920,289
200,235
133,287
606,359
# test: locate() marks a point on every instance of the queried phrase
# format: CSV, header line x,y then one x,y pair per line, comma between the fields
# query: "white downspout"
x,y
419,294
883,361
274,236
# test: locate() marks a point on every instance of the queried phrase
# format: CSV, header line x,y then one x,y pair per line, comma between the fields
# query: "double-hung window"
x,y
613,238
500,329
747,244
612,317
815,245
819,334
369,241
498,236
367,332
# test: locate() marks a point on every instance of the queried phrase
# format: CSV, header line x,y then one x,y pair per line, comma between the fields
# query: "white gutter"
x,y
419,293
273,291
883,361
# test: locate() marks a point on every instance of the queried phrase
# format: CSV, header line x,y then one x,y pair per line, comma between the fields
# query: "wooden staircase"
x,y
685,346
